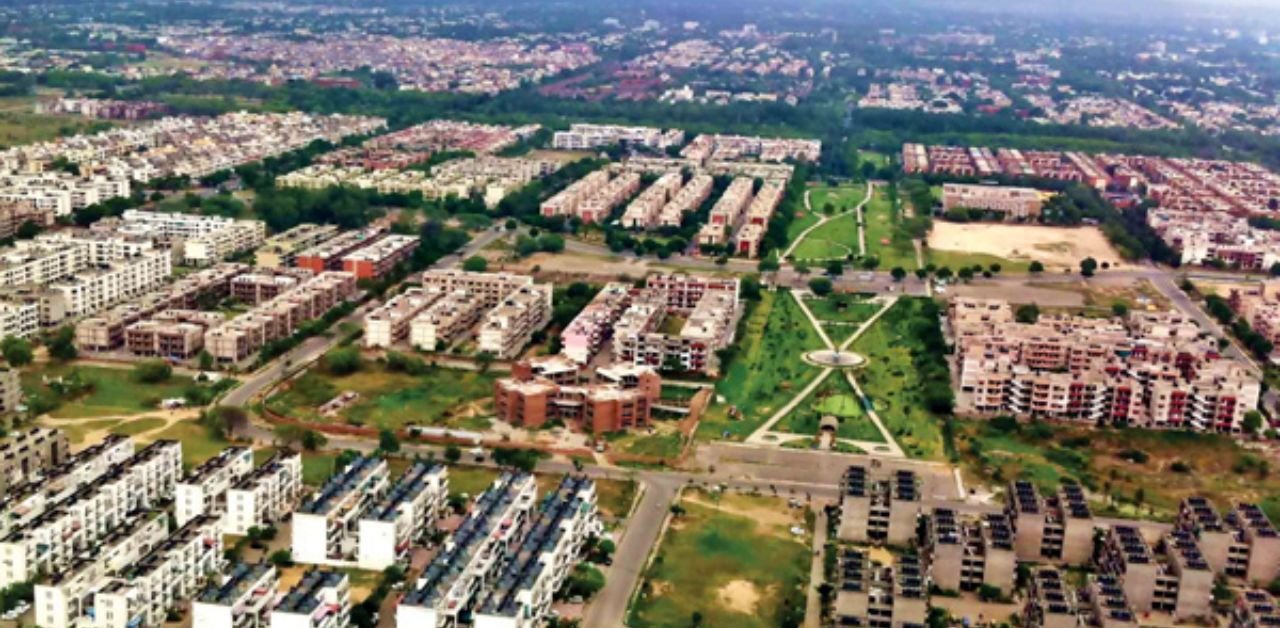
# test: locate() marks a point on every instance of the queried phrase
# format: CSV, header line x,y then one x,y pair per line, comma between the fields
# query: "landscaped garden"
x,y
76,391
906,378
834,397
765,370
836,239
730,560
842,314
887,239
391,399
1127,472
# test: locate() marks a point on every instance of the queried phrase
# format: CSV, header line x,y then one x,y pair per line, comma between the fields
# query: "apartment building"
x,y
202,239
255,288
322,599
623,399
522,594
281,249
242,598
878,510
22,502
509,327
872,594
15,214
642,212
265,496
708,307
20,319
749,238
477,552
589,136
64,599
966,554
1255,608
567,201
1152,370
328,254
380,257
1242,545
53,539
728,213
203,490
25,455
389,323
598,206
1102,603
388,530
687,200
325,527
1013,203
709,147
107,330
92,289
1050,602
143,593
170,335
244,335
1175,579
446,320
1055,528
588,331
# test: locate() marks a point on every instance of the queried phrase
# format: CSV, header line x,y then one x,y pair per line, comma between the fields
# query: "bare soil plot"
x,y
1055,247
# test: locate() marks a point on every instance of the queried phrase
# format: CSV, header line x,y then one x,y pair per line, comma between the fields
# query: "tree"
x,y
585,581
17,351
994,269
768,265
343,361
28,230
1252,423
206,361
152,371
1088,266
835,268
227,421
475,264
1275,269
943,273
281,558
1036,267
313,440
921,273
452,454
801,269
1028,313
966,274
388,442
820,286
1120,309
62,345
899,273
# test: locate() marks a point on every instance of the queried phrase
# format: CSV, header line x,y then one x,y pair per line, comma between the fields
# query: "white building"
x,y
173,572
588,136
389,323
204,239
265,496
403,517
242,598
324,528
322,599
477,551
23,503
507,328
203,491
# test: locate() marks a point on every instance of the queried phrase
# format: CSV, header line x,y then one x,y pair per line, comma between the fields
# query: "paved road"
x,y
609,608
312,348
813,601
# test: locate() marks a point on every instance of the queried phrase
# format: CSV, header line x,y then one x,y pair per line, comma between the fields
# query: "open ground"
x,y
1057,248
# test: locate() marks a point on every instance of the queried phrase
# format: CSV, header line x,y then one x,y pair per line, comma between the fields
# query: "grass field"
x,y
892,384
454,398
666,442
198,444
767,370
955,260
836,239
730,559
842,198
835,397
138,426
19,124
115,392
1174,465
614,498
883,240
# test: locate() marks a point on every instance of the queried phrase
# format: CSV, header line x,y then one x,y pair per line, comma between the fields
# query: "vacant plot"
x,y
732,560
1127,472
19,124
107,391
614,498
664,442
442,397
1054,247
767,370
894,386
836,239
198,442
836,398
886,239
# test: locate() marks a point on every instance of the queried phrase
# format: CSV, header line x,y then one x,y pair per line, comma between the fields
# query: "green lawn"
x,y
876,158
76,432
836,239
198,443
138,426
446,397
883,241
614,498
892,384
955,260
767,370
835,397
658,445
843,308
717,561
803,220
843,197
114,391
19,124
470,480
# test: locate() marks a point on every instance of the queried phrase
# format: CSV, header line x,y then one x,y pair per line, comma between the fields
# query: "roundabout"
x,y
835,359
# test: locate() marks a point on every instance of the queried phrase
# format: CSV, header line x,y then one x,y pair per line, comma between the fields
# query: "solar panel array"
x,y
341,485
414,481
242,576
304,597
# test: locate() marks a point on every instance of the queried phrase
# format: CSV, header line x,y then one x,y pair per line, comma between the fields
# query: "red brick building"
x,y
538,392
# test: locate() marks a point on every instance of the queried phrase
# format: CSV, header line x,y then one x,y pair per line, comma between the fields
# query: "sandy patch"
x,y
740,596
661,587
1055,247
576,264
766,515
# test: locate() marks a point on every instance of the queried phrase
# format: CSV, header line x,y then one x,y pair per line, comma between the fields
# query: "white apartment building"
x,y
389,323
54,539
173,572
322,599
265,496
279,250
20,319
642,212
477,551
589,136
489,287
204,239
510,326
445,320
243,598
325,527
24,502
522,595
403,517
688,199
64,598
93,289
203,491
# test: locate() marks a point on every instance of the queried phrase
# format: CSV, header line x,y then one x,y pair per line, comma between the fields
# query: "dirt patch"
x,y
773,515
1055,247
662,587
576,264
740,596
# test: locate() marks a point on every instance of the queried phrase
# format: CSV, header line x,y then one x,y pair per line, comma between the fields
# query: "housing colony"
x,y
1202,206
503,309
176,146
635,321
94,534
360,518
507,559
1259,305
956,552
588,136
1153,370
248,596
932,90
26,454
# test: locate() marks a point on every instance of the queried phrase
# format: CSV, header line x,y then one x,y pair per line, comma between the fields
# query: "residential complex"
x,y
27,455
401,519
241,337
281,249
143,593
705,148
1012,203
553,389
593,197
265,496
492,178
1150,370
242,598
878,510
326,526
202,240
203,491
321,599
1242,544
24,502
1058,528
589,136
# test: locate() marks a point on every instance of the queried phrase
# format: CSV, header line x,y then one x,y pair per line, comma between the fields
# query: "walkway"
x,y
817,576
824,219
